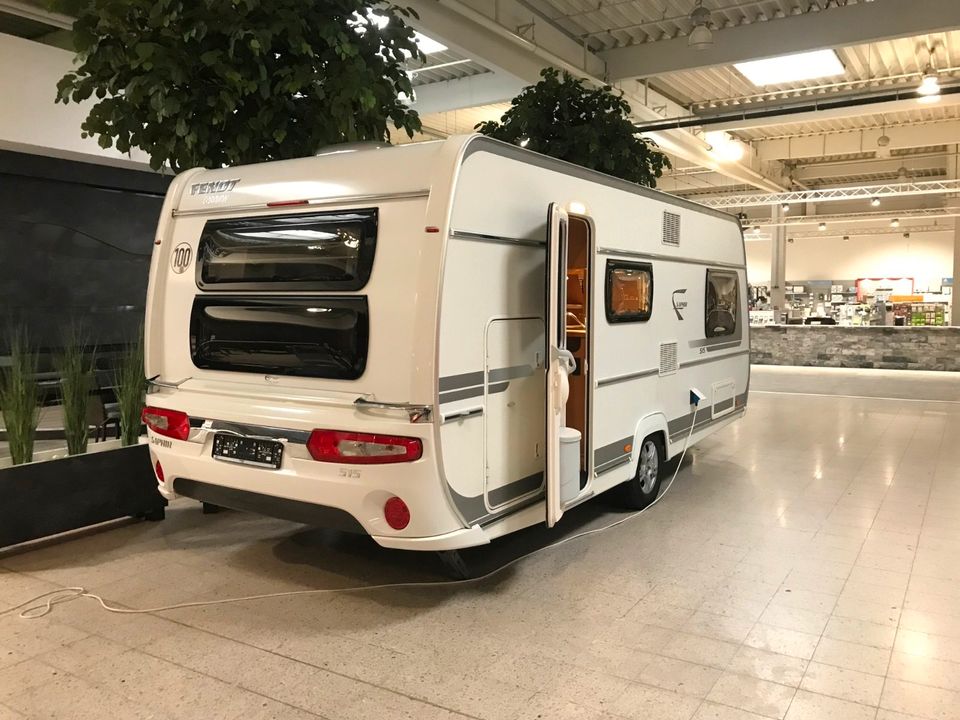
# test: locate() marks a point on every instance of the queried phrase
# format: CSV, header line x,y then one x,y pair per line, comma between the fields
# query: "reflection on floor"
x,y
803,566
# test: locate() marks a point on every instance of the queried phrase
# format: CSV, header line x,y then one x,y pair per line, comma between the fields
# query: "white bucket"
x,y
569,464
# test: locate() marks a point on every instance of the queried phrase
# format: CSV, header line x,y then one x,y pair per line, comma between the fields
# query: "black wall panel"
x,y
75,244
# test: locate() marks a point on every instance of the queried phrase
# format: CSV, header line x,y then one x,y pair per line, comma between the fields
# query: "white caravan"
x,y
435,344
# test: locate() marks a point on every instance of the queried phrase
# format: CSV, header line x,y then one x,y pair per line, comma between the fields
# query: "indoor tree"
x,y
563,117
212,83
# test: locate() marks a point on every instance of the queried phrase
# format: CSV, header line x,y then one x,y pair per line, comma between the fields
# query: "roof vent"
x,y
671,229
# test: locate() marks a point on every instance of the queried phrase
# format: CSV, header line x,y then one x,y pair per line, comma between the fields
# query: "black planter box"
x,y
46,498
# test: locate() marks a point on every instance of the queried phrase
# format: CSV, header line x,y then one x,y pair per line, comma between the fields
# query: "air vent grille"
x,y
668,358
671,229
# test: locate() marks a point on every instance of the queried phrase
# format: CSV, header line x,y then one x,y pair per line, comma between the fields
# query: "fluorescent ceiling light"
x,y
791,68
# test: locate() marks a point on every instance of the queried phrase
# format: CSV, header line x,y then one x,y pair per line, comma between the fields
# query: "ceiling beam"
x,y
495,40
858,141
483,89
836,27
867,167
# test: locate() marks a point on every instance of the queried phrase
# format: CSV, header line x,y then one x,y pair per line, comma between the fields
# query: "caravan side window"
x,y
629,291
723,301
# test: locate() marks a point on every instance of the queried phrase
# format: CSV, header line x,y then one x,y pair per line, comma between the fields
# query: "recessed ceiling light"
x,y
895,223
875,202
822,226
791,68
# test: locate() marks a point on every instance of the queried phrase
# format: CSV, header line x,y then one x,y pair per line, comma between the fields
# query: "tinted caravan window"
x,y
320,251
723,294
629,291
308,337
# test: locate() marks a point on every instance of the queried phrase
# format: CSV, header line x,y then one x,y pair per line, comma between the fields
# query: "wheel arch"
x,y
652,424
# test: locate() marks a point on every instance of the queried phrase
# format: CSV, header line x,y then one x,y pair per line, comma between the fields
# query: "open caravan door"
x,y
560,362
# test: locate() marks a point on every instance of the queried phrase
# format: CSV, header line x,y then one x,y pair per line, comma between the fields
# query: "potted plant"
x,y
74,363
19,397
38,499
131,391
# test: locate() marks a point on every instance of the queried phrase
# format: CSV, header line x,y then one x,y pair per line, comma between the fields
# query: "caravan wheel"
x,y
642,488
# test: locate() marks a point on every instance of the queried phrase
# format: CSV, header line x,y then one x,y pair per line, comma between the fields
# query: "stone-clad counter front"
x,y
891,348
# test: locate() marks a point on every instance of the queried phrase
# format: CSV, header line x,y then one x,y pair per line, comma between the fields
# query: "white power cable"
x,y
41,605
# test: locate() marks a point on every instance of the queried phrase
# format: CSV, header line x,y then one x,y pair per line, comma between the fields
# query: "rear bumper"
x,y
323,494
292,510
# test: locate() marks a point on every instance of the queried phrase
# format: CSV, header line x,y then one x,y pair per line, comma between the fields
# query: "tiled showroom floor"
x,y
804,565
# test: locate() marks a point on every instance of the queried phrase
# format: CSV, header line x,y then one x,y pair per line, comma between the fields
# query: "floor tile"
x,y
640,702
922,700
752,694
713,711
811,706
780,640
852,656
782,669
680,676
842,683
701,650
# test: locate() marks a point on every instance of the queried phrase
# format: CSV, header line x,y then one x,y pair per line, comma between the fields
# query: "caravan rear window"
x,y
319,251
308,337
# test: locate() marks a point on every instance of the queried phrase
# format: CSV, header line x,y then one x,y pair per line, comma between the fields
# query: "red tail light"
x,y
158,469
171,423
362,448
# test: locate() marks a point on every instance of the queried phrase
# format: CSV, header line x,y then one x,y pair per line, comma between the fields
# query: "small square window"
x,y
629,291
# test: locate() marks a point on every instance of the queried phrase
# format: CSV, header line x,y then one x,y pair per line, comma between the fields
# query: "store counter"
x,y
894,348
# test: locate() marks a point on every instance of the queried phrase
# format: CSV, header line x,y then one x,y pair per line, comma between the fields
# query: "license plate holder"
x,y
247,450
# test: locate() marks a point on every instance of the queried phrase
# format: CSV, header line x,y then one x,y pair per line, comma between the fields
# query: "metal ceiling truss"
x,y
904,216
927,187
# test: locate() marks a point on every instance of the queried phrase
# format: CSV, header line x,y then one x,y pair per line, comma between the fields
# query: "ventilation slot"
x,y
671,229
668,358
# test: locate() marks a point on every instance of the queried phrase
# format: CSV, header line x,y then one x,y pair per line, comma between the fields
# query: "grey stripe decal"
x,y
627,376
721,406
681,424
474,509
509,373
453,382
483,237
613,451
476,391
701,361
724,340
724,346
702,425
668,258
606,467
511,491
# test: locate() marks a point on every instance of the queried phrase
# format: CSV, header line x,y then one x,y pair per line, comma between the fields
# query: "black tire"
x,y
641,490
454,566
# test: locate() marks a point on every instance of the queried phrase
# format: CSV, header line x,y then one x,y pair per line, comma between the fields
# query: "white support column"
x,y
778,263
